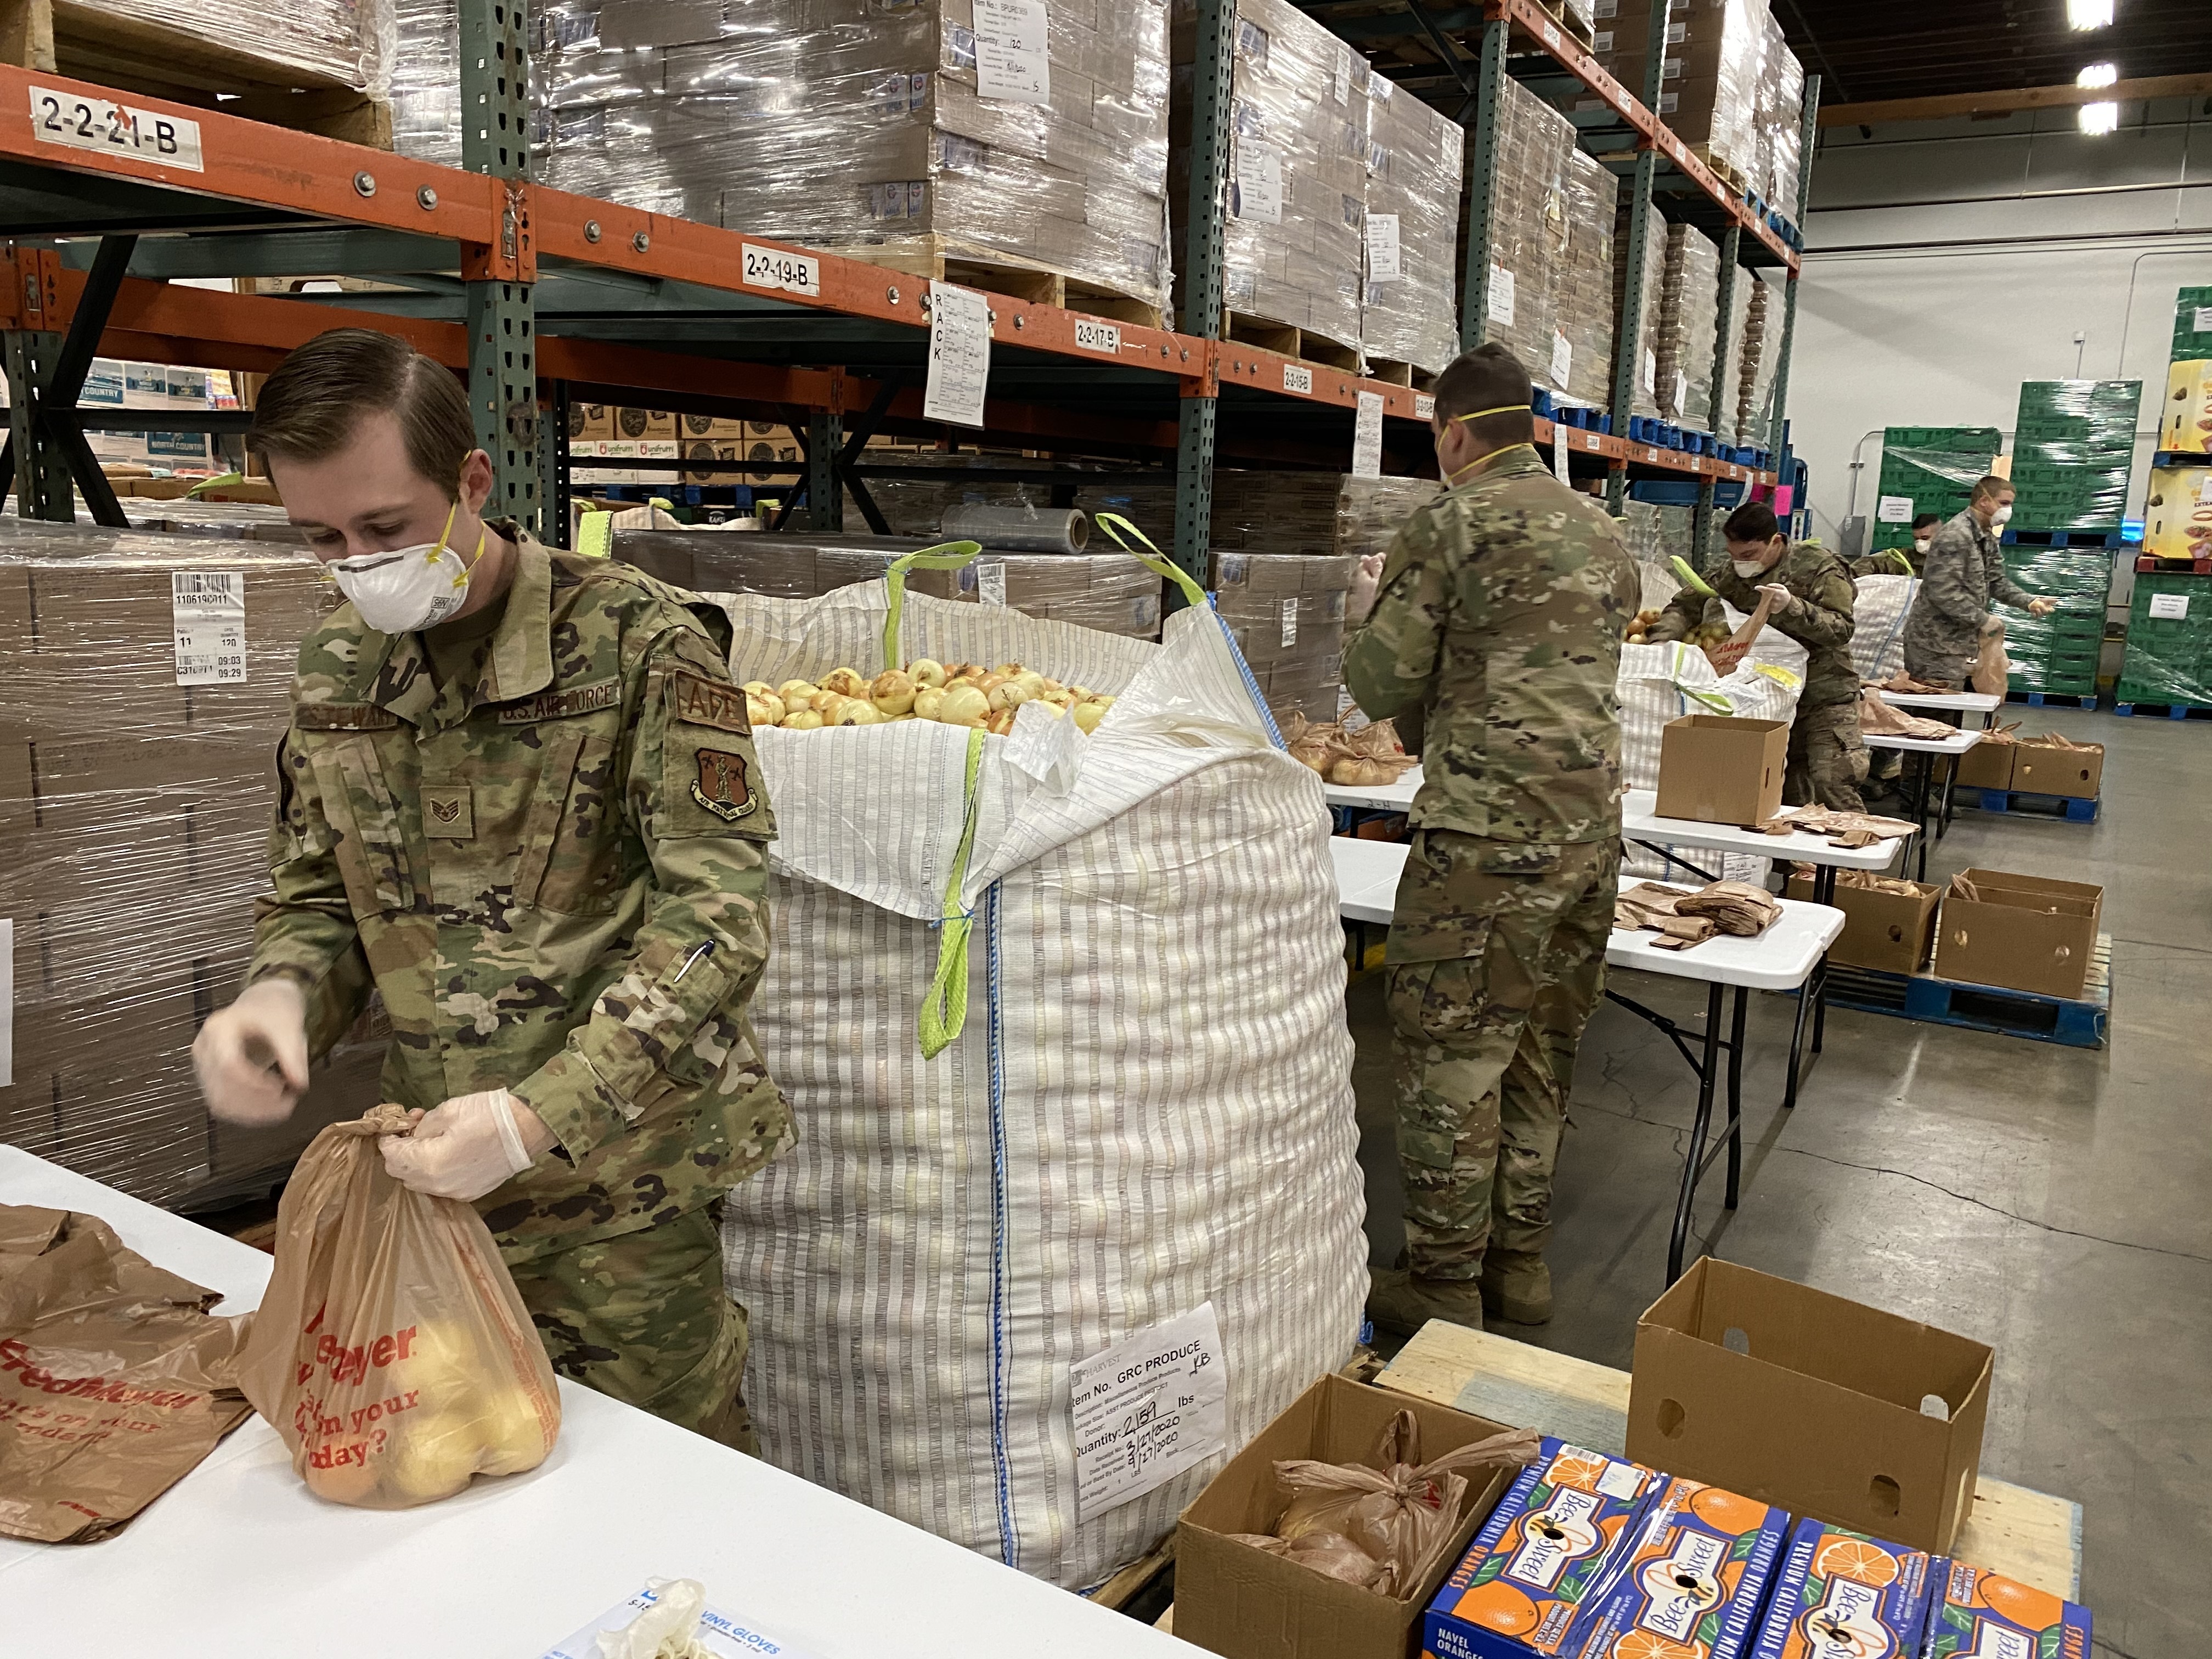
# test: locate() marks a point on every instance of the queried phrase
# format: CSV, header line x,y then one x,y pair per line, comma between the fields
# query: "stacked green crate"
x,y
2057,653
2169,657
2073,447
2192,325
1928,468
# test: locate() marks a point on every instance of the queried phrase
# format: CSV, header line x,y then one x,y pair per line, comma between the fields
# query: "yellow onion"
x,y
925,672
859,711
1050,707
845,682
1033,683
1008,669
1002,723
797,694
928,701
1007,694
892,691
963,705
1086,715
805,720
763,709
829,704
758,688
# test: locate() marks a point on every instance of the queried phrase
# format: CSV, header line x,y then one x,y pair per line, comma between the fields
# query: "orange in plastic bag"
x,y
392,1352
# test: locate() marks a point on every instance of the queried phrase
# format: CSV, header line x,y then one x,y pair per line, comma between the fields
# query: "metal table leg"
x,y
1950,783
1708,1075
1736,1097
1927,769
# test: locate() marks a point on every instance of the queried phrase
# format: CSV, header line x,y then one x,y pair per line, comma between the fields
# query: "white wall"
x,y
1918,309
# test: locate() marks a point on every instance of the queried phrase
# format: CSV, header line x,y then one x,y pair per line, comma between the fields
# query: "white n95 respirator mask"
x,y
2002,515
408,588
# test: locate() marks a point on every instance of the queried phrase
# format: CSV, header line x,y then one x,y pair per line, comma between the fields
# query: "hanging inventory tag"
x,y
1257,191
1650,373
959,354
1559,449
1499,307
1146,1409
2203,324
1894,509
1009,51
2171,607
1382,247
991,583
63,118
1563,360
209,610
1367,437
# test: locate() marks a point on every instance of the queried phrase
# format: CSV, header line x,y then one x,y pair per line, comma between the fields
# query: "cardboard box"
x,y
1881,929
1233,1600
2025,933
1844,1592
1986,766
1718,768
1825,1409
2046,768
644,425
2178,512
1553,1549
2185,423
1693,1581
1972,1611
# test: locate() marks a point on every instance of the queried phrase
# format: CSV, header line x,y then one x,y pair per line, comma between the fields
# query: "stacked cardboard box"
x,y
2178,512
1689,320
1715,75
2169,657
2073,452
2057,653
1287,612
892,132
301,43
1779,157
148,682
1585,310
1409,312
1530,239
1644,397
1292,247
1928,468
112,383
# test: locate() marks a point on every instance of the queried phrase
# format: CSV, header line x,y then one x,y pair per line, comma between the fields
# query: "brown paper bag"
x,y
1990,674
115,1380
392,1352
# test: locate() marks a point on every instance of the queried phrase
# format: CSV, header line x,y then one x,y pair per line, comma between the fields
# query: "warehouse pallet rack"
x,y
544,297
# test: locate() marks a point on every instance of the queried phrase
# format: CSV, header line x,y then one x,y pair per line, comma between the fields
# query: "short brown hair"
x,y
1992,485
1488,377
1754,521
308,408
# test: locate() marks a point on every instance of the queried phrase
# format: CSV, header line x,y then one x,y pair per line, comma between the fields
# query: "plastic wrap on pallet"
x,y
2192,325
1295,198
1644,401
149,684
1689,319
2073,454
1782,111
1286,612
1530,238
1585,311
1729,390
2059,653
868,130
1928,468
1415,173
302,43
1755,424
1657,535
2169,651
1714,68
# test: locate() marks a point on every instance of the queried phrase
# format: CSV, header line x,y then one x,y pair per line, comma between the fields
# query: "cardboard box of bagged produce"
x,y
1819,1404
2075,771
1234,1599
1719,768
1884,927
1987,765
2025,933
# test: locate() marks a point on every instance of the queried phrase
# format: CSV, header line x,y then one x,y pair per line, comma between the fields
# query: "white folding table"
x,y
1641,825
1781,958
1985,704
239,1558
1376,798
1927,749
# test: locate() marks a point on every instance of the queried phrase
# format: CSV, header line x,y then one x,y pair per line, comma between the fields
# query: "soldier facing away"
x,y
519,798
1497,614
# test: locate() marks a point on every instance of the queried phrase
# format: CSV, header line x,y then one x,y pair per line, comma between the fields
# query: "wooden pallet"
x,y
87,43
1565,15
1391,372
1303,343
1727,170
941,257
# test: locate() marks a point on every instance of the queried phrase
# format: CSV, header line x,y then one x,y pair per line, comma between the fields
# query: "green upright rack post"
x,y
502,315
1628,337
41,481
1482,177
1197,420
825,491
1808,130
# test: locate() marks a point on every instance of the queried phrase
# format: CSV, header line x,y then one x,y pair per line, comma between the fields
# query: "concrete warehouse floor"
x,y
2053,1202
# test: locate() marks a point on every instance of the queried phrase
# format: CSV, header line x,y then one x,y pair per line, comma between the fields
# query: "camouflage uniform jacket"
x,y
1965,574
1818,616
556,877
1499,615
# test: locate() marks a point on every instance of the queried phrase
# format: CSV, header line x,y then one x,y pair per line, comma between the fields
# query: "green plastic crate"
x,y
1932,467
2191,343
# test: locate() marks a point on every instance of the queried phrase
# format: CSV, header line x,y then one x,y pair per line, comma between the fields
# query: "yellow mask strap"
x,y
1453,474
1502,409
431,557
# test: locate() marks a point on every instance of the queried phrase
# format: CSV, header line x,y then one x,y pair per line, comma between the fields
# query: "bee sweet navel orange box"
x,y
1975,1614
1841,1594
1694,1581
1556,1542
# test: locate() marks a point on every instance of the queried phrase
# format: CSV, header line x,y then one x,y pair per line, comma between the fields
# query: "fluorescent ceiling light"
x,y
2088,13
2098,119
2098,74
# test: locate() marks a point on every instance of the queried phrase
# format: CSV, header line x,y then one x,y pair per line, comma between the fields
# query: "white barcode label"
x,y
63,118
1551,36
1424,406
207,608
2203,324
1298,379
790,273
991,583
1290,622
1098,336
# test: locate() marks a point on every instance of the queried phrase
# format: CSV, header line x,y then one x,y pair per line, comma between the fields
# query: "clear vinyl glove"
x,y
252,1057
468,1146
2041,607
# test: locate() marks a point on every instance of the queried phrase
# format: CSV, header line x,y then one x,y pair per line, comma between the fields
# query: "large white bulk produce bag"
x,y
1657,684
1149,1107
1878,639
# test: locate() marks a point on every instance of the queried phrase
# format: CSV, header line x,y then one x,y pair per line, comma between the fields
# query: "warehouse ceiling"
x,y
1869,50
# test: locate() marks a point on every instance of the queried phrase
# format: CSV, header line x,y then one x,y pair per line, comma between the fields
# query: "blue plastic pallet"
x,y
2173,711
2050,700
2065,538
2077,1022
2026,802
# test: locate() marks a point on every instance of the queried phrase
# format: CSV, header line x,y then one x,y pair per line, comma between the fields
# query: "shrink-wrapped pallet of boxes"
x,y
1296,195
1286,612
235,45
1410,314
1585,312
1689,318
2073,445
1643,398
895,134
149,684
1716,67
1530,235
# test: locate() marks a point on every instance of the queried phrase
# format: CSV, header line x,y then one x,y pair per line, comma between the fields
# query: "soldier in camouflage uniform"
x,y
1964,574
1827,756
536,827
1499,618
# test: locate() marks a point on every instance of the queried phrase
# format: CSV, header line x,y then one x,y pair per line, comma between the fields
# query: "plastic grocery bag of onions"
x,y
392,1352
1381,1527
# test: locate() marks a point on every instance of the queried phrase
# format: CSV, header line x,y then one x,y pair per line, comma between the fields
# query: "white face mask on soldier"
x,y
1921,544
409,588
2002,515
1747,569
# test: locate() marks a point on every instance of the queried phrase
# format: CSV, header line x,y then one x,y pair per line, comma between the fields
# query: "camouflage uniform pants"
x,y
643,1318
1827,760
1486,1036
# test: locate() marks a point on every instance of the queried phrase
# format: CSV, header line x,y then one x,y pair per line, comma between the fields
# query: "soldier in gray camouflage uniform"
x,y
1499,616
535,826
1964,574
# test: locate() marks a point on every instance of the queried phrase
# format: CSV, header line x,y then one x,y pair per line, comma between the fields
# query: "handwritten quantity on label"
x,y
1382,247
959,354
1259,188
1146,1409
1367,436
1009,51
209,610
63,118
1500,305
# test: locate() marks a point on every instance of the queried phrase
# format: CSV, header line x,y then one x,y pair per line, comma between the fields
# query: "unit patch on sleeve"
x,y
697,701
722,786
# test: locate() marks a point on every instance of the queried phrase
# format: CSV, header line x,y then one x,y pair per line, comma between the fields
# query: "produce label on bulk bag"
x,y
1149,1408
